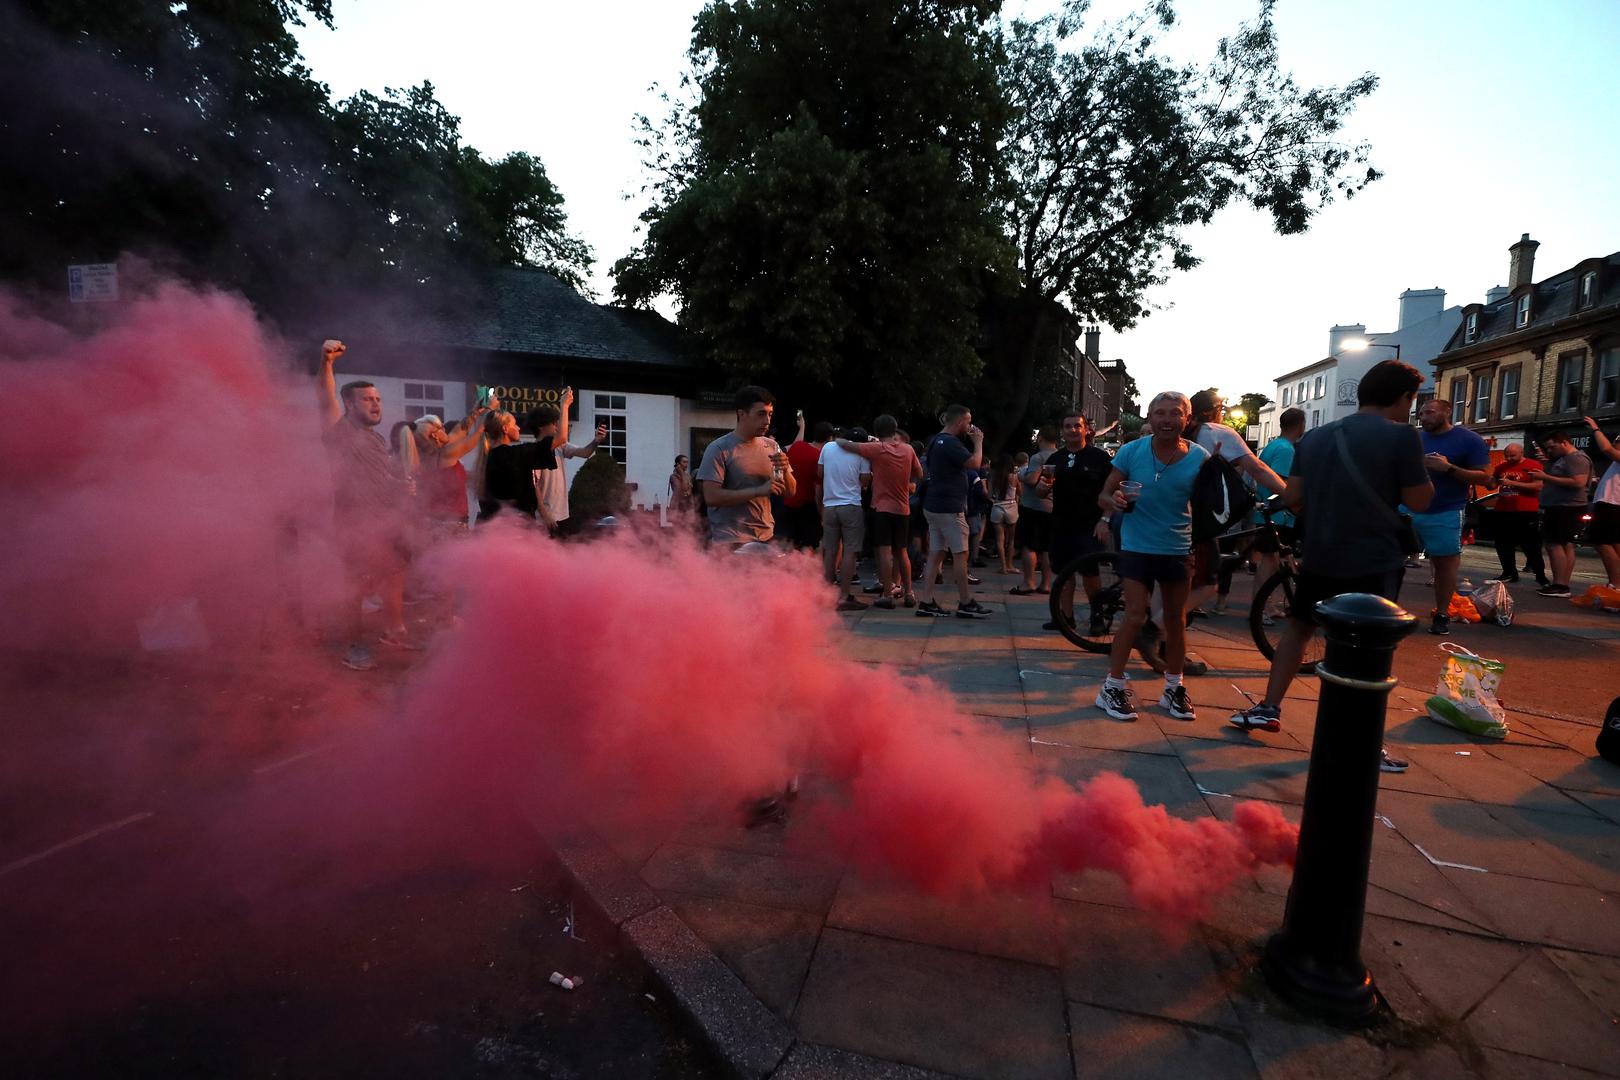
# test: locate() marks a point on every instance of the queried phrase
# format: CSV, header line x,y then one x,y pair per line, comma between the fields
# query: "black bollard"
x,y
1314,961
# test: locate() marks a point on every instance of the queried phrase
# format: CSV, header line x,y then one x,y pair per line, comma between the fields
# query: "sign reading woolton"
x,y
520,399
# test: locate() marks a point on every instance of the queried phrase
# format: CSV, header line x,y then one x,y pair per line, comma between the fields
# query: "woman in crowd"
x,y
1004,509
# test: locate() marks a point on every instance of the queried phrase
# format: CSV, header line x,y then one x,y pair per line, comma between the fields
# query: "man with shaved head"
x,y
1516,515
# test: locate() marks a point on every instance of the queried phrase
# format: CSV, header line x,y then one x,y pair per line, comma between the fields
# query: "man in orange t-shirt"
x,y
1515,519
894,469
801,511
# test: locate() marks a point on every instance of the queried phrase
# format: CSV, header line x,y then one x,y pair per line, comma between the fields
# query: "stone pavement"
x,y
1493,924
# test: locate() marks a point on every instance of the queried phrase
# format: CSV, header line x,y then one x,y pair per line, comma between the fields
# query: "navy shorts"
x,y
1148,569
1310,589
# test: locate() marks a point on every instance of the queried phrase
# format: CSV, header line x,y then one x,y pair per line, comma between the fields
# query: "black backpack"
x,y
1220,499
1608,740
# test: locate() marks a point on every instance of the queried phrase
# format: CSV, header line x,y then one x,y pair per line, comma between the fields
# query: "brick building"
x,y
1537,355
1117,383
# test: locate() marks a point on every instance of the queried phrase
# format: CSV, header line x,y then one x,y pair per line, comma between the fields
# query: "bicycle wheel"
x,y
1092,625
1268,615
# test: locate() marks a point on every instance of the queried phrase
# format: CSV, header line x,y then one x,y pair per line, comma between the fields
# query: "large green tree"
x,y
824,211
1118,153
194,133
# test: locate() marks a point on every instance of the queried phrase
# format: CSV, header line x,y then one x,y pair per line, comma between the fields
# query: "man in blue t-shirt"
x,y
948,461
1456,458
1155,539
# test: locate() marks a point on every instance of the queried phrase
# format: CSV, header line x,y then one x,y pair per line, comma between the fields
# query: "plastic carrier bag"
x,y
1494,602
1466,696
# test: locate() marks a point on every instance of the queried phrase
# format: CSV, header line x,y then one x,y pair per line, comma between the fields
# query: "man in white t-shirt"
x,y
1209,432
551,485
843,477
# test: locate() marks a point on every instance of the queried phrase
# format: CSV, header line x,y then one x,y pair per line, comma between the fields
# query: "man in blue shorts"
x,y
1456,458
1151,484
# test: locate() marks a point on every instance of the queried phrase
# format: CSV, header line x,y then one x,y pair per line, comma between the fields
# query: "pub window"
x,y
1571,375
1316,388
610,410
1459,399
1588,295
1316,418
1471,331
1521,311
1286,391
1608,378
1507,406
1299,391
1482,397
424,399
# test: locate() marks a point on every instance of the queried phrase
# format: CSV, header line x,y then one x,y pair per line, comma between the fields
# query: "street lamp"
x,y
1362,344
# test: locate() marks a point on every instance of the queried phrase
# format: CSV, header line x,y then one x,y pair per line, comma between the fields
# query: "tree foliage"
x,y
194,133
1117,153
823,212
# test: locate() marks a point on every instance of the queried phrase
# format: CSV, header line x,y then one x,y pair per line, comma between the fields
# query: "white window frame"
x,y
1521,312
1507,406
1471,328
423,397
1286,391
1459,399
613,410
1588,290
1576,359
1606,370
1482,397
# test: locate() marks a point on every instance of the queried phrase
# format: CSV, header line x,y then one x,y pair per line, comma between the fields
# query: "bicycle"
x,y
1091,627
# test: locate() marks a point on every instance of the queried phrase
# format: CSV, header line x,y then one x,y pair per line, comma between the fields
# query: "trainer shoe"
x,y
849,603
909,600
1098,627
1258,718
1175,701
1440,624
1390,764
1551,589
1050,624
931,609
1116,702
358,658
972,610
973,580
884,602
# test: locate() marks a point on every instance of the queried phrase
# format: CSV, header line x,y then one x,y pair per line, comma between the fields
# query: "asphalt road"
x,y
171,913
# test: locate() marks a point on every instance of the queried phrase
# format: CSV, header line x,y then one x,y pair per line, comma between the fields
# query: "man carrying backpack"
x,y
1348,478
1223,444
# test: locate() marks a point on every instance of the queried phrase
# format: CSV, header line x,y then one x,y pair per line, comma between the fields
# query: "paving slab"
x,y
1013,925
1162,780
1454,970
768,948
935,1008
795,884
1537,1011
1453,830
1132,961
1245,769
1126,1046
809,1062
1547,912
1487,779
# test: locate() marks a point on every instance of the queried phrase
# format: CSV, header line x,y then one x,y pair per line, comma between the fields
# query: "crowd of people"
x,y
1371,492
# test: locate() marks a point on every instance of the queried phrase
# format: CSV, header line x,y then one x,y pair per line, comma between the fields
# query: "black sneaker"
x,y
1550,589
1116,702
849,603
884,602
1098,627
973,580
1509,576
1258,718
1175,701
1440,625
1390,764
873,589
932,610
972,610
1050,624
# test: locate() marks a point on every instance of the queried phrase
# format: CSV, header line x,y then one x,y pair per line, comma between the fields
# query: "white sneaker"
x,y
1116,702
1175,701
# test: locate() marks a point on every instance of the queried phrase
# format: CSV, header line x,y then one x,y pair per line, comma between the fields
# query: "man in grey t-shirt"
x,y
740,472
1351,527
1563,498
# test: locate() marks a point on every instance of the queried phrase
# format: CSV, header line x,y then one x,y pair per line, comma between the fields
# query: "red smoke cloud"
x,y
641,687
154,470
160,462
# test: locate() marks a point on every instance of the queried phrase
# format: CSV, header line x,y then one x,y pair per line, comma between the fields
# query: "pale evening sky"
x,y
1493,118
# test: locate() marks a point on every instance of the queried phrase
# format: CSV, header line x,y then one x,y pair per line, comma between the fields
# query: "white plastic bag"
x,y
1466,696
1493,600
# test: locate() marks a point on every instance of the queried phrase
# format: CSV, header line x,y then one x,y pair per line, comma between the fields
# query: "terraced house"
x,y
1536,356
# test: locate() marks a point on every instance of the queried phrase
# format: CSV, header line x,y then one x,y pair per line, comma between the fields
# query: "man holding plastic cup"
x,y
1155,542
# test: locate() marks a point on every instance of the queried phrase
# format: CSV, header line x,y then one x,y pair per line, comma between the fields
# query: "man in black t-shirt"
x,y
948,459
1079,471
